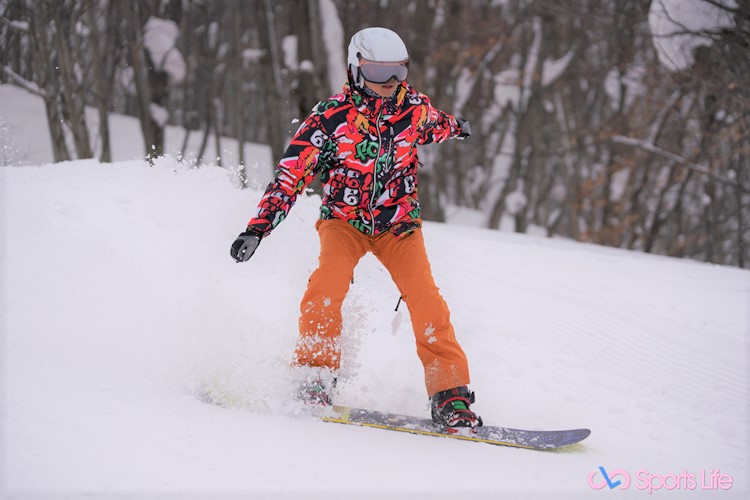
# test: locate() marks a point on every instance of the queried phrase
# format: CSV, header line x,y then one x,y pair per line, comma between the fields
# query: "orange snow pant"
x,y
341,247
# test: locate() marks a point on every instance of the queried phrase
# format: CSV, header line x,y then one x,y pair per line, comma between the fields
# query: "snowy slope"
x,y
120,302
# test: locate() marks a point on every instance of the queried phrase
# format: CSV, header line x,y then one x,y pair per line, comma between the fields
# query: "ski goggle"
x,y
382,72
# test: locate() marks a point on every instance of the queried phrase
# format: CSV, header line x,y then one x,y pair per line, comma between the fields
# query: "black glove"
x,y
244,246
465,128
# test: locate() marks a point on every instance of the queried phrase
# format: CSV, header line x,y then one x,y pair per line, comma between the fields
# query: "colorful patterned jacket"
x,y
365,150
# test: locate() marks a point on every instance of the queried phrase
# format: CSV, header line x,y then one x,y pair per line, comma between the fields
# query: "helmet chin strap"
x,y
356,80
350,76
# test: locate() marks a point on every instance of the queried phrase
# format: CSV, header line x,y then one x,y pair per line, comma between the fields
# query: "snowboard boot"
x,y
450,409
313,391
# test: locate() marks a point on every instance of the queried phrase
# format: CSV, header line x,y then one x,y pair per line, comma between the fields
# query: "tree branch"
x,y
24,83
21,26
701,169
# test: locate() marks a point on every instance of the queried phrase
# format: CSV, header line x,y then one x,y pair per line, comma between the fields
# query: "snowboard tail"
x,y
501,436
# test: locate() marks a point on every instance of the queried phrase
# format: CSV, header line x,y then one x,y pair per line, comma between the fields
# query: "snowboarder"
x,y
363,144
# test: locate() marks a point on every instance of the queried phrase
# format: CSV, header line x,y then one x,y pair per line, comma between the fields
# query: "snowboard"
x,y
501,436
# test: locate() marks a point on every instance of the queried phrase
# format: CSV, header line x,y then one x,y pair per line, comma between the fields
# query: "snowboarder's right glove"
x,y
244,246
465,128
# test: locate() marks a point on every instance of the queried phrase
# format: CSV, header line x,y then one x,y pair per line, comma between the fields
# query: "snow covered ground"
x,y
120,303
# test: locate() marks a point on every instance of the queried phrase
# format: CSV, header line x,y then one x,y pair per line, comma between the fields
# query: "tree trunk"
x,y
149,84
238,81
272,79
102,85
42,53
73,105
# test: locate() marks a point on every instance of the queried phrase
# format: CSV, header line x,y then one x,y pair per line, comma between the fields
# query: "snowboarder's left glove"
x,y
465,128
244,246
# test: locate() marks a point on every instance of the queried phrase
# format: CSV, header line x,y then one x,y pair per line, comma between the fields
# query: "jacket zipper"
x,y
375,166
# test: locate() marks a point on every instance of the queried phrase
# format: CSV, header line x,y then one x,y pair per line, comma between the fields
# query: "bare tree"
x,y
579,131
271,74
44,75
104,33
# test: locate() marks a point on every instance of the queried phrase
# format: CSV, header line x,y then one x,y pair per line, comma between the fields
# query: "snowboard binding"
x,y
451,409
314,392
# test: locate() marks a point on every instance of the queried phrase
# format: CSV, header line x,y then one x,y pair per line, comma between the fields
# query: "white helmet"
x,y
375,44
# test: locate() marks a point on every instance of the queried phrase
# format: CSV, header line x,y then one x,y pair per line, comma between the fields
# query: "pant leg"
x,y
341,247
445,364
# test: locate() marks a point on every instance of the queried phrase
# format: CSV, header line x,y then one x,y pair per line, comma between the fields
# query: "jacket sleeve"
x,y
294,172
438,126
